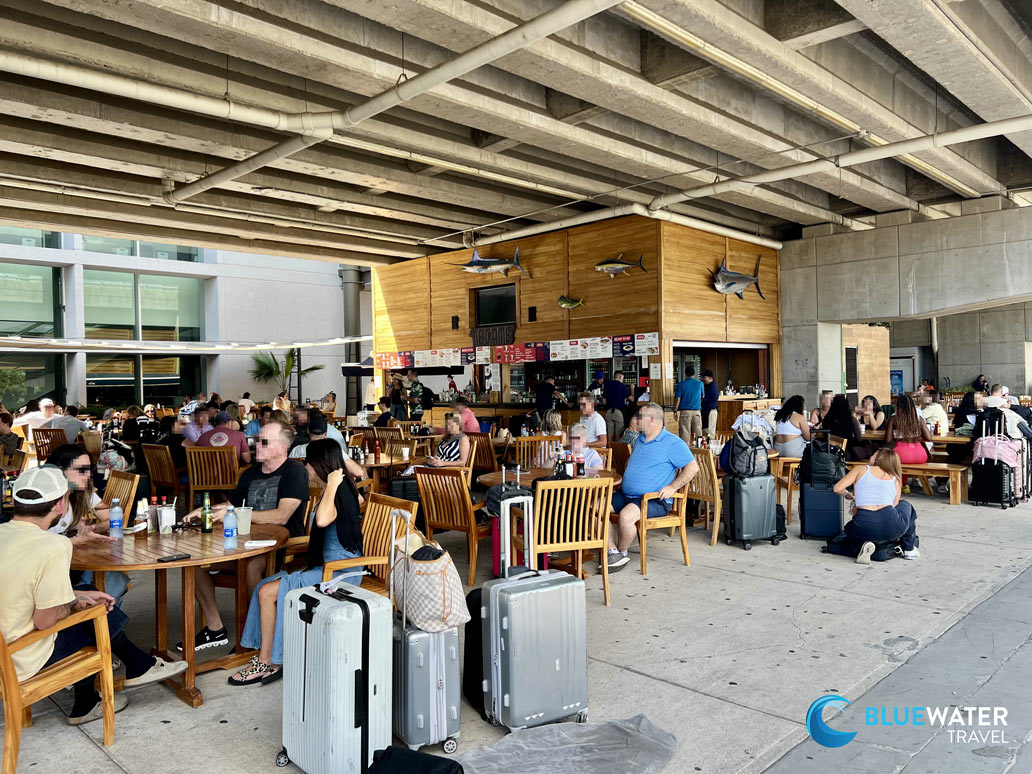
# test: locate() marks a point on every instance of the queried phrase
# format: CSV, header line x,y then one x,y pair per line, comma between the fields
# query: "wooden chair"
x,y
211,469
485,460
531,449
784,479
164,412
93,442
723,436
162,470
329,410
834,440
18,697
357,439
705,488
467,471
123,486
572,516
19,461
607,457
395,445
46,440
621,454
444,493
673,519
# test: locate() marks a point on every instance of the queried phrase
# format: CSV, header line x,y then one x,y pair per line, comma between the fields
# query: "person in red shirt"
x,y
470,424
224,435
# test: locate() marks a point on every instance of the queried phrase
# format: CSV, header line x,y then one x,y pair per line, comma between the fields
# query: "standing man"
x,y
546,396
688,405
616,394
415,396
470,423
594,425
246,405
370,395
710,398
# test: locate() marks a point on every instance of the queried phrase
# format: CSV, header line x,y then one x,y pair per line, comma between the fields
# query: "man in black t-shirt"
x,y
277,489
546,395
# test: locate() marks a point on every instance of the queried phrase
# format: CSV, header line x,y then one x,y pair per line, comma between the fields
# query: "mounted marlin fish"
x,y
614,266
736,282
479,265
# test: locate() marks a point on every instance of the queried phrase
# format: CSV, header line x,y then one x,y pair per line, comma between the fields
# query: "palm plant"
x,y
267,369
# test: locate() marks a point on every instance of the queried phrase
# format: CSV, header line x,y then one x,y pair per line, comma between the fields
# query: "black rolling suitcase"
x,y
821,511
407,488
993,480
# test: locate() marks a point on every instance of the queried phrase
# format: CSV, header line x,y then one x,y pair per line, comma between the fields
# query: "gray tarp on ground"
x,y
615,747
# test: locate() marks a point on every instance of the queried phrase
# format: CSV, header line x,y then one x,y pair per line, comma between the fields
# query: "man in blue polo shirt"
x,y
660,462
688,405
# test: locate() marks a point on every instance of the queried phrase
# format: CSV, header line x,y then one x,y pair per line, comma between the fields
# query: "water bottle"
x,y
115,519
229,529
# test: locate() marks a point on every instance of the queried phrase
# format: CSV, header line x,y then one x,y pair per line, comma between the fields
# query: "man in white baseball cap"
x,y
36,593
36,413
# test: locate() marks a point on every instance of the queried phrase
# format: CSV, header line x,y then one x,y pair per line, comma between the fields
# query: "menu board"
x,y
467,356
623,346
646,344
540,351
483,355
558,350
451,356
420,359
389,361
578,349
601,347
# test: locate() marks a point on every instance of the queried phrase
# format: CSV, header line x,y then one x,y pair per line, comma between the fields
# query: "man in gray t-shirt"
x,y
69,422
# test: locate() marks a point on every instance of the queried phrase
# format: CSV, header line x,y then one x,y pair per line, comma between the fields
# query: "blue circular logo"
x,y
821,734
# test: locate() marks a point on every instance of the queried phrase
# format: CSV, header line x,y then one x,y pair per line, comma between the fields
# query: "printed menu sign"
x,y
451,356
483,355
558,350
623,346
420,359
537,351
468,355
646,344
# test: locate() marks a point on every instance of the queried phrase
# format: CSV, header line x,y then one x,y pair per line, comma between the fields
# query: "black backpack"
x,y
822,462
748,455
428,398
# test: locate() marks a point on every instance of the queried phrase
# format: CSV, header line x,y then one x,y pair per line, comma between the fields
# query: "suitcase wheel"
x,y
582,717
775,540
450,746
747,546
730,542
281,758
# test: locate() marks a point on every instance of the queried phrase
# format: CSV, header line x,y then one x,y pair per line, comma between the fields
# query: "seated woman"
x,y
579,448
791,430
823,406
839,421
632,432
551,424
87,517
870,413
453,451
880,516
335,534
906,433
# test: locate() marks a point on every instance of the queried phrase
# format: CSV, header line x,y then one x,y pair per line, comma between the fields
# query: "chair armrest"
x,y
342,564
94,611
478,506
365,482
296,545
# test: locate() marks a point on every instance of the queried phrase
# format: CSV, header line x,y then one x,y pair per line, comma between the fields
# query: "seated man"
x,y
224,435
255,425
660,462
277,489
9,440
197,426
36,593
319,429
384,407
69,422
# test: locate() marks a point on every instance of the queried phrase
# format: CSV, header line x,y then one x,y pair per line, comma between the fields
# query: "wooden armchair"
x,y
447,505
211,469
784,479
18,697
484,461
46,440
532,449
162,469
705,488
572,516
123,486
386,434
607,458
673,519
620,456
19,461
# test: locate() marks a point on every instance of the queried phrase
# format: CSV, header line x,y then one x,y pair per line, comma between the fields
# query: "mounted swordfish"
x,y
479,265
736,282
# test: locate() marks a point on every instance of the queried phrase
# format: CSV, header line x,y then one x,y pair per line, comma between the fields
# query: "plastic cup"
x,y
243,521
166,518
405,453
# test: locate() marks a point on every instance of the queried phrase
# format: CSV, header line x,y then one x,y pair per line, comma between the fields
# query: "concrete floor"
x,y
727,654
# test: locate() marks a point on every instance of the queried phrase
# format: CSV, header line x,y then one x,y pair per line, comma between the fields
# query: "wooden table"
x,y
879,435
532,474
386,463
133,553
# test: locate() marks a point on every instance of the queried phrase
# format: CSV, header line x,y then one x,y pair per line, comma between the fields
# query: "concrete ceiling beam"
x,y
804,23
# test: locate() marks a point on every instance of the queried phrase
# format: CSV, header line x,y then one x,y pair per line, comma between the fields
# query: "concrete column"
x,y
812,360
74,327
351,287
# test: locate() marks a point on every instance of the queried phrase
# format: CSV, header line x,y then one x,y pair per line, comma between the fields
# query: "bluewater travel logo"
x,y
963,725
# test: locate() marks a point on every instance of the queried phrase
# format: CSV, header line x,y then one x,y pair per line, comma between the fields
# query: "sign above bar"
x,y
493,335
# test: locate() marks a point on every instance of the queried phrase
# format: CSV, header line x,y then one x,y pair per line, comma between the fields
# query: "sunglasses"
x,y
82,468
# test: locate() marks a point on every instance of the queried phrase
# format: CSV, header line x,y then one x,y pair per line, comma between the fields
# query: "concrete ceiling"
x,y
650,97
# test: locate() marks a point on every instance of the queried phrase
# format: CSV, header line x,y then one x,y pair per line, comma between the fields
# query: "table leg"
x,y
161,611
186,689
98,580
241,600
955,488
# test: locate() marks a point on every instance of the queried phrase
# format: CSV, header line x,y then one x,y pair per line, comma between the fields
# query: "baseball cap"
x,y
223,418
46,402
317,424
48,480
599,374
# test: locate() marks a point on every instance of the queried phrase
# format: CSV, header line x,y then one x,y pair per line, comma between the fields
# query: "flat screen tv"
x,y
496,305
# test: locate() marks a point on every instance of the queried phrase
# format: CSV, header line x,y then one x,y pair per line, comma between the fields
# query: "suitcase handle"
x,y
361,698
310,603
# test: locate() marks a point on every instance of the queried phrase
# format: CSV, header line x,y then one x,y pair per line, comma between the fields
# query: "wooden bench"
x,y
957,474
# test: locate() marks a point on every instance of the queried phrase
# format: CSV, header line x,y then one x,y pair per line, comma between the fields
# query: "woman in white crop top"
x,y
791,431
879,515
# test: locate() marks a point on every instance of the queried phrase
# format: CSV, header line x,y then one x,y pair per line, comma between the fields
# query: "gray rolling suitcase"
x,y
427,683
535,650
750,511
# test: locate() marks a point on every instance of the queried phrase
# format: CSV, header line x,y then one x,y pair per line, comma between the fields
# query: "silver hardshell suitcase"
x,y
535,638
336,679
427,681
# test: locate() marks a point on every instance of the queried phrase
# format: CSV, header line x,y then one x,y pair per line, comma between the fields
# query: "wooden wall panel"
x,y
872,358
753,319
401,306
628,303
692,309
544,258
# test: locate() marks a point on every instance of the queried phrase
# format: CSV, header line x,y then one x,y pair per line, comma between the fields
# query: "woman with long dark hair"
x,y
335,533
907,434
870,413
791,430
840,421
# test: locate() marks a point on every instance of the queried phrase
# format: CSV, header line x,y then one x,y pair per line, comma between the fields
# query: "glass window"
x,y
171,308
29,375
27,300
168,252
109,305
110,380
169,380
29,237
110,245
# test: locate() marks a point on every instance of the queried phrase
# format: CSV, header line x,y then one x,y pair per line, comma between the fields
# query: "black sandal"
x,y
273,676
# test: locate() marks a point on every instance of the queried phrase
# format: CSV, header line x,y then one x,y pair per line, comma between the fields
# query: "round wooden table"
x,y
532,474
386,464
133,553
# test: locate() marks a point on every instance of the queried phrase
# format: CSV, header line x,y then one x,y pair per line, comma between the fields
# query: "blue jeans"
x,y
115,583
884,525
656,507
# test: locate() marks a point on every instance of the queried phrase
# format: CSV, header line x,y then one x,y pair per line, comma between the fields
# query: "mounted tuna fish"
x,y
570,303
479,265
736,282
614,266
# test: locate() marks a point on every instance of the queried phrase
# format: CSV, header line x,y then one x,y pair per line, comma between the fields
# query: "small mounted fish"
x,y
478,265
614,266
570,303
736,282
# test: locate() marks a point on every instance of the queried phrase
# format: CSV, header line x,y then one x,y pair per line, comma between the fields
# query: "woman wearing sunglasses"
x,y
87,517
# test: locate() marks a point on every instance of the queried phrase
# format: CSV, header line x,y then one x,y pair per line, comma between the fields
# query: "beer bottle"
x,y
206,515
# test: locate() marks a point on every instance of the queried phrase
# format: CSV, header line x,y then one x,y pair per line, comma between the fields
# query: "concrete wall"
x,y
995,342
910,333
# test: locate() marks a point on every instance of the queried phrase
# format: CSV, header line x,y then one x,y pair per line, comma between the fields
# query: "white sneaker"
x,y
913,553
162,670
864,557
